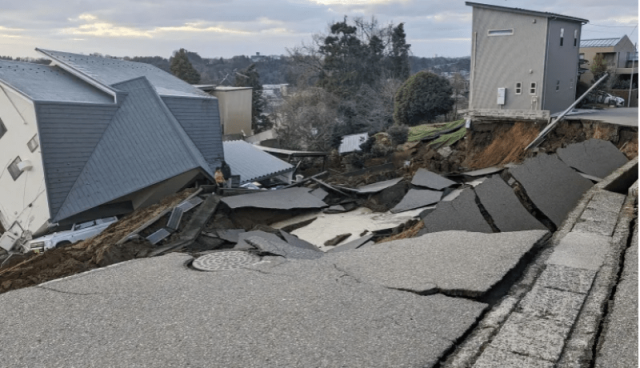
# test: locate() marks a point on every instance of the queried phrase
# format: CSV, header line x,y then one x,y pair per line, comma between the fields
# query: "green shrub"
x,y
398,133
422,97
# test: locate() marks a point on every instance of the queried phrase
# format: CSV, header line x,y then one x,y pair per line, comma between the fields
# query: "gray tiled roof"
x,y
47,83
252,163
600,42
112,71
526,11
143,145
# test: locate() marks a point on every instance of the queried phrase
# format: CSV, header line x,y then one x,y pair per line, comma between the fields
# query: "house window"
x,y
557,85
575,37
561,36
13,168
532,89
500,32
518,88
3,129
33,143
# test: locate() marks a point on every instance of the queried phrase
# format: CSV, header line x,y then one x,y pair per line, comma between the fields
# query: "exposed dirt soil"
x,y
99,251
409,233
506,145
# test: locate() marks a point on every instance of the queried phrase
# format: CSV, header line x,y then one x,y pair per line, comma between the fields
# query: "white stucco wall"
x,y
24,200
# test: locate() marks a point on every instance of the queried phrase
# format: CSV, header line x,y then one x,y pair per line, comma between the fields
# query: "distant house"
x,y
618,53
235,108
523,61
89,137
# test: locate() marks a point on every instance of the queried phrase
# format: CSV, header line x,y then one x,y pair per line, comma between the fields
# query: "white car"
x,y
81,231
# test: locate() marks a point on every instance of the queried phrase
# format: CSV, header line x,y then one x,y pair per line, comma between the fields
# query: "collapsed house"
x,y
89,137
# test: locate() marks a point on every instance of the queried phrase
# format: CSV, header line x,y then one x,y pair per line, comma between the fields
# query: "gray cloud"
x,y
233,27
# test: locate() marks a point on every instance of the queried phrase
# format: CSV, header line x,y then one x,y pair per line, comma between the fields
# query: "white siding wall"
x,y
25,199
503,61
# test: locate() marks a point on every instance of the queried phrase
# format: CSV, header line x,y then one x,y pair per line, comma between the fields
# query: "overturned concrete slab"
x,y
242,237
301,314
553,187
320,193
463,262
460,214
417,198
483,172
230,235
593,157
282,248
503,206
354,244
297,242
375,187
284,199
428,179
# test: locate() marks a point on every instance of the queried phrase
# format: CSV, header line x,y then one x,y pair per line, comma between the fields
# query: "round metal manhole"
x,y
221,261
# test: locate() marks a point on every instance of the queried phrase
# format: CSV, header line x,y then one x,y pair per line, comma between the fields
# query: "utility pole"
x,y
633,62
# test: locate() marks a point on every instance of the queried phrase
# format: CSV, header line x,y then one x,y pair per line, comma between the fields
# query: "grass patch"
x,y
449,139
418,132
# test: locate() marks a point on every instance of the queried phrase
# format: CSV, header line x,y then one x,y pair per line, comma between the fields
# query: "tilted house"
x,y
89,137
523,61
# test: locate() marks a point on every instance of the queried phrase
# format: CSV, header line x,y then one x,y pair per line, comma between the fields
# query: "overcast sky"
x,y
215,28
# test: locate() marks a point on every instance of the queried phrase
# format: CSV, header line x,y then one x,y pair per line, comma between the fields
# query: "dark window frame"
x,y
34,139
3,128
518,88
13,168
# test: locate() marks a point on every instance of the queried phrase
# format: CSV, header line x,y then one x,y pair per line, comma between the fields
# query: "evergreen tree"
x,y
399,57
250,77
422,97
181,67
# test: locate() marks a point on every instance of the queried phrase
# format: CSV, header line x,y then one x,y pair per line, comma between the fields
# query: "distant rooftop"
x,y
600,42
49,83
525,11
108,72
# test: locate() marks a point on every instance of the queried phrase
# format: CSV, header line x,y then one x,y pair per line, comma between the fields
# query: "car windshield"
x,y
84,225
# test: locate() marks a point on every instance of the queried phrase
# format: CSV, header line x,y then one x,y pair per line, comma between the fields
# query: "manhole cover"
x,y
225,261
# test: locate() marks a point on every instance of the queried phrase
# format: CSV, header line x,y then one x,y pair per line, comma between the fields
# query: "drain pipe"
x,y
552,125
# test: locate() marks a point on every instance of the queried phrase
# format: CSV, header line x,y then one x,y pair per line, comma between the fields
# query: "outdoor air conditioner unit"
x,y
7,241
24,165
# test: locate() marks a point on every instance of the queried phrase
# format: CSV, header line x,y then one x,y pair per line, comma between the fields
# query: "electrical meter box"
x,y
501,95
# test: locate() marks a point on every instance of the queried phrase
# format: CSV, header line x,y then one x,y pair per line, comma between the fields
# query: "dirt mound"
x,y
99,251
507,146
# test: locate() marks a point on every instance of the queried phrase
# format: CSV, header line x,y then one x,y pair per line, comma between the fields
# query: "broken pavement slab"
x,y
459,262
299,314
297,242
417,198
354,244
282,248
593,157
428,179
375,187
460,214
284,199
553,187
503,206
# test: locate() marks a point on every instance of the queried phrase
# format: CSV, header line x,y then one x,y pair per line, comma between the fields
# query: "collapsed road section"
x,y
401,266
